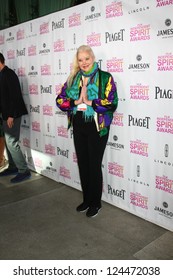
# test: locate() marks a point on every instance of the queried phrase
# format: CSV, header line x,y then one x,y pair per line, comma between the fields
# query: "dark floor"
x,y
38,221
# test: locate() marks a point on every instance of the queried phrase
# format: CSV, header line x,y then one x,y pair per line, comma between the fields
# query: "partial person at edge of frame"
x,y
12,108
89,96
3,161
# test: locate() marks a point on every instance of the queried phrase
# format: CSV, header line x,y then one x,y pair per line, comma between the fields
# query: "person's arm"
x,y
64,103
110,102
14,92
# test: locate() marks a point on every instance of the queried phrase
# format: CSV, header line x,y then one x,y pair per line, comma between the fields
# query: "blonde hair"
x,y
75,66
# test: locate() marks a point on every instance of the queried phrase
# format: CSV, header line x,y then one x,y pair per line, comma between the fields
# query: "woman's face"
x,y
85,61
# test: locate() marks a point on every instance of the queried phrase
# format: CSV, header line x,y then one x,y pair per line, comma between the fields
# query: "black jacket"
x,y
11,100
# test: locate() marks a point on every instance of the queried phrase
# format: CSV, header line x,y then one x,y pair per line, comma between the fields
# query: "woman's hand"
x,y
82,96
80,100
84,92
85,96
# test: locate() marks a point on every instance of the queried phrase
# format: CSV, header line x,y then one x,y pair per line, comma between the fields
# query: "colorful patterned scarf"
x,y
92,89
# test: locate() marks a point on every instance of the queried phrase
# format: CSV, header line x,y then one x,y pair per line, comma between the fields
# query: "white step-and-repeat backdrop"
x,y
133,41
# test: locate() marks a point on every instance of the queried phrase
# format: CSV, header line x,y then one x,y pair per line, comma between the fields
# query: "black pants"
x,y
89,150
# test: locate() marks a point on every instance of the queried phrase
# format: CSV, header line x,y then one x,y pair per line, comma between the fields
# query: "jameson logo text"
x,y
166,32
93,15
139,66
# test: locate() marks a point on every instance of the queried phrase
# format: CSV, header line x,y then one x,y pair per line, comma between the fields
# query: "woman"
x,y
89,96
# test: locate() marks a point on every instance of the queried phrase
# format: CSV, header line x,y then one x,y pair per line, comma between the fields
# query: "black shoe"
x,y
9,171
82,207
21,177
92,211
